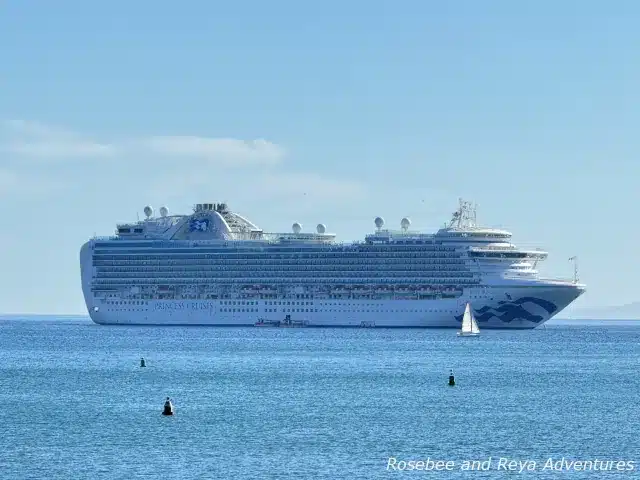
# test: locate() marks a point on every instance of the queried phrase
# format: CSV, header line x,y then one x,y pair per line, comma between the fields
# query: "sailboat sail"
x,y
467,320
474,325
469,325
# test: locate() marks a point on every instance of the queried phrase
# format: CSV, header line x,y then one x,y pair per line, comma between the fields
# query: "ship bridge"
x,y
474,234
463,227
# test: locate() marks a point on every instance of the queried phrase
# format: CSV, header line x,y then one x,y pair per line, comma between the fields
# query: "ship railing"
x,y
329,245
519,247
295,248
271,280
559,280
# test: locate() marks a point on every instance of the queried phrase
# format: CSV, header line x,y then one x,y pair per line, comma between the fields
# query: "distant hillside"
x,y
630,311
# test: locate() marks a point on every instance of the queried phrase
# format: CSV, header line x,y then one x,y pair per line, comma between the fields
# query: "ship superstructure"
x,y
215,267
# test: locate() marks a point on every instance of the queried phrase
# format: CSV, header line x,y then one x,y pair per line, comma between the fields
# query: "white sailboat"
x,y
469,325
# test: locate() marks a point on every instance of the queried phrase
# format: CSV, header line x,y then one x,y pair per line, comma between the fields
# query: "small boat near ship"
x,y
286,323
266,323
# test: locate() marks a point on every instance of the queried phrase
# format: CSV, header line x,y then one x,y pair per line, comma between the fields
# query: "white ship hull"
x,y
528,308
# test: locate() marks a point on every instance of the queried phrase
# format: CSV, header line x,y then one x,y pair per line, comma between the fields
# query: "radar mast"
x,y
465,216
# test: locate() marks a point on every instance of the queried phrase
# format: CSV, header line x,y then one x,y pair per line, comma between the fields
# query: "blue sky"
x,y
331,112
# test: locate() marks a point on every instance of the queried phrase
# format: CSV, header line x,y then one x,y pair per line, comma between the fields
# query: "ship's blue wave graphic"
x,y
510,311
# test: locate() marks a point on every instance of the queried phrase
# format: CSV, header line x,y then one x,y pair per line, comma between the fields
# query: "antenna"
x,y
574,259
465,216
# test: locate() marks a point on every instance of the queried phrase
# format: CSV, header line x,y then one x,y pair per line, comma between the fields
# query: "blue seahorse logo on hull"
x,y
509,311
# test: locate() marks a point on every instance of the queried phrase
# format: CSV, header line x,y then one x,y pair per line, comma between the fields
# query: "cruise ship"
x,y
215,267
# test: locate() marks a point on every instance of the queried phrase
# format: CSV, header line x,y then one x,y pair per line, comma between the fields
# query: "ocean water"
x,y
315,403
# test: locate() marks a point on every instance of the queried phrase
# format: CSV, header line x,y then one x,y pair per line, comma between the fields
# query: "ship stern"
x,y
86,277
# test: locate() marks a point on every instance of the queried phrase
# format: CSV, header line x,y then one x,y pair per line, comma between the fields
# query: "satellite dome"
x,y
379,221
164,211
405,223
321,228
296,227
148,211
